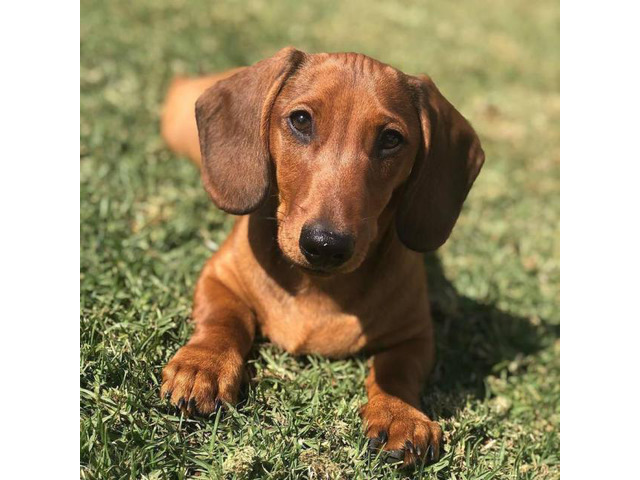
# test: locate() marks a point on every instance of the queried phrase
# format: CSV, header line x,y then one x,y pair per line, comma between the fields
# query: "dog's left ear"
x,y
447,164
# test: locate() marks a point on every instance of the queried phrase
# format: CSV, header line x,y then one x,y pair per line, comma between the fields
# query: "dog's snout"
x,y
324,247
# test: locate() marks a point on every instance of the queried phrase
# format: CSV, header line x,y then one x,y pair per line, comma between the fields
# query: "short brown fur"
x,y
393,207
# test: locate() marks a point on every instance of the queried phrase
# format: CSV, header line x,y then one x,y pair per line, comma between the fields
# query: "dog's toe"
x,y
404,433
196,384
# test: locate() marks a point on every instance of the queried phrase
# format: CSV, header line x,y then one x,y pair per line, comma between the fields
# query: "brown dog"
x,y
344,169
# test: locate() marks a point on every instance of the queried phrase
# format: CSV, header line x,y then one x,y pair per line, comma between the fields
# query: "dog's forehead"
x,y
357,65
340,75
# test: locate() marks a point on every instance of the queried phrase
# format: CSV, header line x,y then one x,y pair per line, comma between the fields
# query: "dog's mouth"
x,y
313,270
324,271
317,271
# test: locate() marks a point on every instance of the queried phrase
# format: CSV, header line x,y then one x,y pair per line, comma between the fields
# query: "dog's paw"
x,y
402,432
199,379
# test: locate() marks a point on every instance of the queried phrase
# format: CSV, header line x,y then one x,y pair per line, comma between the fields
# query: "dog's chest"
x,y
312,326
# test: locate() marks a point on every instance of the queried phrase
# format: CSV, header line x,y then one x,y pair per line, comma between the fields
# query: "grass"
x,y
147,227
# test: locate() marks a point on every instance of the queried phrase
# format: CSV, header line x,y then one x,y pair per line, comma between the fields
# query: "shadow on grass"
x,y
474,340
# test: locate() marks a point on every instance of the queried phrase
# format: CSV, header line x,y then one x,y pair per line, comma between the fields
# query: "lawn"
x,y
147,227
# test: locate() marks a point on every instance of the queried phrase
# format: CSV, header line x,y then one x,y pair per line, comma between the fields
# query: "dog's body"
x,y
338,159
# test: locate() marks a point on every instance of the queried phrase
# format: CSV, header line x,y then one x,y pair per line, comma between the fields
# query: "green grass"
x,y
147,228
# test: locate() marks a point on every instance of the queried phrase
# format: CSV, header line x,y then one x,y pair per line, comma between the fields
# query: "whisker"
x,y
299,206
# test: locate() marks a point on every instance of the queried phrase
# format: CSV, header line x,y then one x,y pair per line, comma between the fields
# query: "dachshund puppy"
x,y
343,170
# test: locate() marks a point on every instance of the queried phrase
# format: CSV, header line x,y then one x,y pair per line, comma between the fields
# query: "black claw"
x,y
430,453
409,446
181,403
374,444
394,456
191,406
167,395
217,405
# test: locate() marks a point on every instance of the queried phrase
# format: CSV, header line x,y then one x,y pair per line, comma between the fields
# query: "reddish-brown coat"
x,y
377,301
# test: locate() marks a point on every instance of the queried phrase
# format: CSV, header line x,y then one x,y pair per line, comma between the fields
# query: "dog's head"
x,y
343,141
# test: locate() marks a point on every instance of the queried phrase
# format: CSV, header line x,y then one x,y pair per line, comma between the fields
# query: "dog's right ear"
x,y
233,126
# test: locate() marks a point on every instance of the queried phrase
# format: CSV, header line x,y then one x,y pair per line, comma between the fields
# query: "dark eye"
x,y
301,122
390,139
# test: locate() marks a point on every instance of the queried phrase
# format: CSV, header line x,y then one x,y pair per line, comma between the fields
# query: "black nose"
x,y
324,247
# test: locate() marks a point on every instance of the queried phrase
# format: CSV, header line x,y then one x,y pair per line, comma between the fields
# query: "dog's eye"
x,y
390,139
301,122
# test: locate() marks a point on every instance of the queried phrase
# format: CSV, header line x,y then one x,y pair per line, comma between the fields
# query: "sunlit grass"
x,y
148,227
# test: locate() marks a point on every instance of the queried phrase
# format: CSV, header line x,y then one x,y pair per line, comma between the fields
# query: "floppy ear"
x,y
233,126
446,166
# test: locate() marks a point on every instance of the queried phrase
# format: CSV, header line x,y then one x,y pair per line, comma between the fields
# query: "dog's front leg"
x,y
392,416
209,368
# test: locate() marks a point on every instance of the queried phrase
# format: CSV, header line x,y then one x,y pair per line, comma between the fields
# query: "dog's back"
x,y
178,122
